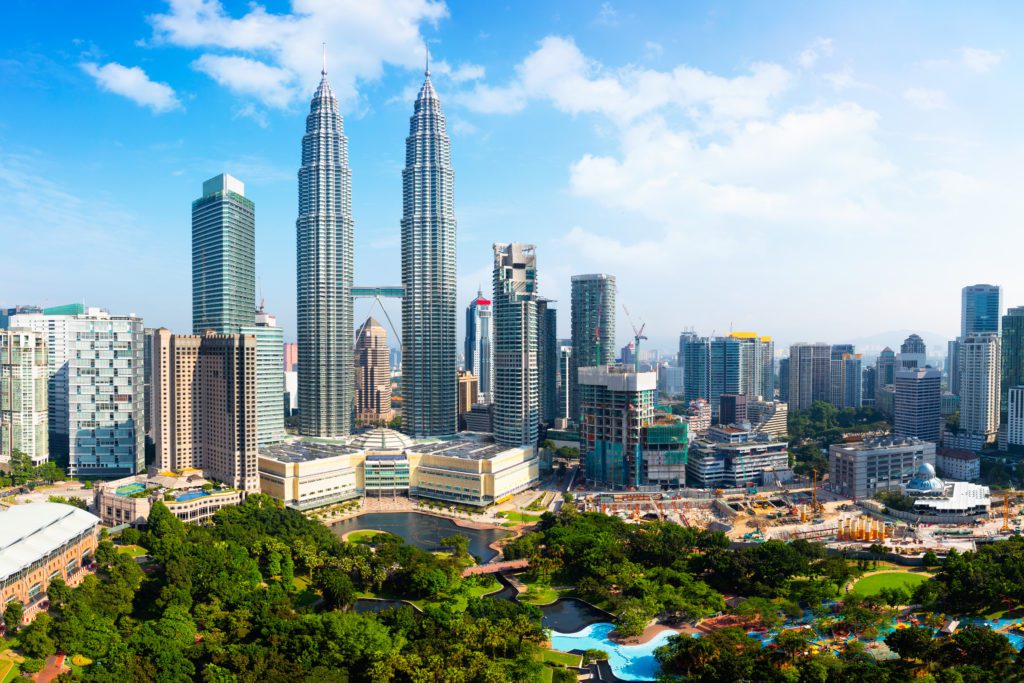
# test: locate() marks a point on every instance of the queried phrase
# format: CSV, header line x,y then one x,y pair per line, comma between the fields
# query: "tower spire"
x,y
323,71
426,50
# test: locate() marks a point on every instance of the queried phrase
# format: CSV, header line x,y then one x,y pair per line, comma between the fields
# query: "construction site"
x,y
810,513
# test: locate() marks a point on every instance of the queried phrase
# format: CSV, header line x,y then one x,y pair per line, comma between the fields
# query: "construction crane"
x,y
1006,512
638,334
815,505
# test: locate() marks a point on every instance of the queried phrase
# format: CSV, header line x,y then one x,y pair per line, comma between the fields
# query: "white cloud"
x,y
979,60
820,47
286,47
462,73
653,50
843,79
557,71
274,86
133,83
607,14
926,99
254,113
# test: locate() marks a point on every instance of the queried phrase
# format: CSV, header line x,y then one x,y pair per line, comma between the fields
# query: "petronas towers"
x,y
324,231
324,270
429,357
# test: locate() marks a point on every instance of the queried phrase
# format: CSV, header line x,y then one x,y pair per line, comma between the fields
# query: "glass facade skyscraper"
x,y
324,272
547,360
429,336
223,257
478,352
981,307
593,328
1013,354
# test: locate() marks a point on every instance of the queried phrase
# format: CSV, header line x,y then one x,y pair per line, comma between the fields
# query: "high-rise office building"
x,y
430,357
6,313
223,257
725,374
868,380
52,323
694,358
885,366
479,355
757,360
23,396
291,356
1013,353
913,353
628,354
846,378
96,389
784,379
547,360
810,375
918,403
593,327
373,374
205,405
980,309
1015,417
516,391
324,234
953,366
469,394
565,383
980,360
269,377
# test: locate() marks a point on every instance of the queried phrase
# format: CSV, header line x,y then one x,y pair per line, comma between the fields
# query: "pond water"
x,y
424,531
569,615
628,662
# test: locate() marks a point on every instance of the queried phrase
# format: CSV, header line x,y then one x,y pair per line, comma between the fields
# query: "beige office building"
x,y
382,462
204,400
373,374
23,396
469,392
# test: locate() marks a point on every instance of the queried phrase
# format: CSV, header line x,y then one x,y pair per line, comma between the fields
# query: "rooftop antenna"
x,y
323,71
260,283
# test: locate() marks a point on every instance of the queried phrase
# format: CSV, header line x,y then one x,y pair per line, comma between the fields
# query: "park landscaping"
x,y
522,517
8,668
131,550
363,535
874,584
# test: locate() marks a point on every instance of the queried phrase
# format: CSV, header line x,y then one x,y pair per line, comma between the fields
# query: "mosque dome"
x,y
382,439
925,481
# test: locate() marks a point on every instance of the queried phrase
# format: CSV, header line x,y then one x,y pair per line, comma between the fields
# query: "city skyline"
x,y
195,115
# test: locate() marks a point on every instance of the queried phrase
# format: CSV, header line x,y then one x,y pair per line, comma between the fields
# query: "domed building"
x,y
382,439
953,500
925,482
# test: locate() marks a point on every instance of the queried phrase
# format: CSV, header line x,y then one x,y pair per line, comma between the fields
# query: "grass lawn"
x,y
131,550
872,585
562,658
514,516
477,588
539,595
306,595
9,670
363,535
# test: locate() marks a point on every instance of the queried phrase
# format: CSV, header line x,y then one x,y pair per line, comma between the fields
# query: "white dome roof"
x,y
382,439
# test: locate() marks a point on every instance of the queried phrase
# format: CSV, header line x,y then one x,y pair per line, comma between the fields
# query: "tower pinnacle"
x,y
323,71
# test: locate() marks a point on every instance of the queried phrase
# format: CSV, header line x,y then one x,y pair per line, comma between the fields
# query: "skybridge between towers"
x,y
378,293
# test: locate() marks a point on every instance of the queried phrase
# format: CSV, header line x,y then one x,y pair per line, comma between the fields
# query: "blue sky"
x,y
810,171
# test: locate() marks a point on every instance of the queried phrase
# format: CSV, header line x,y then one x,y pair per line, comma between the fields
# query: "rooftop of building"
x,y
953,497
881,442
33,531
958,454
301,450
467,446
383,439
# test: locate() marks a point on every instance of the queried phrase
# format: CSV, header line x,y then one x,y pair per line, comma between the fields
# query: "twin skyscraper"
x,y
325,265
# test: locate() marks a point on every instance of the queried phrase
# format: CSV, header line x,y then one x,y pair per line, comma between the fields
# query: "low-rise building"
x,y
382,462
862,469
40,542
934,497
769,417
732,457
188,496
959,464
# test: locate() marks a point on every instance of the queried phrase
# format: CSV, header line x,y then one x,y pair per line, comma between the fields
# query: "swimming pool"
x,y
628,662
191,495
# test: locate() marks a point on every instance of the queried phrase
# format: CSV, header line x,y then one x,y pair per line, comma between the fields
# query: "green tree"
x,y
911,643
36,640
335,587
21,467
58,592
13,614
